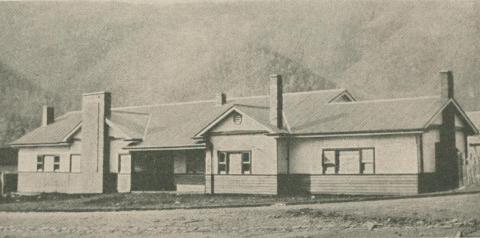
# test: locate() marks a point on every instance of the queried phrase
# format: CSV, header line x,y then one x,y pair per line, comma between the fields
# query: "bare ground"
x,y
428,217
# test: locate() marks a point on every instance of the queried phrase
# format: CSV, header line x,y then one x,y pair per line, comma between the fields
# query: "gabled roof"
x,y
402,114
55,133
64,127
475,117
169,126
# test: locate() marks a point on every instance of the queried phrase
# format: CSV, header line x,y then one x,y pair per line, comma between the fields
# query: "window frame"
x,y
361,162
56,163
42,156
227,161
194,163
237,118
41,162
80,168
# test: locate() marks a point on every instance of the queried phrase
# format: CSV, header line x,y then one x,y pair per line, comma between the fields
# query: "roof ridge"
x,y
164,104
130,112
66,114
229,98
386,100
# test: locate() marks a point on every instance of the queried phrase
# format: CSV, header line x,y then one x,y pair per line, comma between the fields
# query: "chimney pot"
x,y
220,99
48,115
447,85
276,100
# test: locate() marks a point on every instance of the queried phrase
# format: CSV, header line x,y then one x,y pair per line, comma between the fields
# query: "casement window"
x,y
222,163
246,163
56,163
234,162
75,163
48,163
195,165
124,164
40,163
349,161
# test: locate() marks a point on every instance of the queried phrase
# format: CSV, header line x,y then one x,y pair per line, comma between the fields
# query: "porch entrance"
x,y
152,171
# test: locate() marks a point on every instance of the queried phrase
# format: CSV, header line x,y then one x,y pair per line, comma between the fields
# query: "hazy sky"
x,y
134,1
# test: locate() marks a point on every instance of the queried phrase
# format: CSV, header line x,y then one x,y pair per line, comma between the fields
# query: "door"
x,y
152,173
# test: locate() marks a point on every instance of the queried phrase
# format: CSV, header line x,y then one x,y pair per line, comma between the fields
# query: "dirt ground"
x,y
421,217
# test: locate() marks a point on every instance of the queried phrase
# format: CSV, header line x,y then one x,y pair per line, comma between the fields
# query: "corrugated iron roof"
x,y
54,133
475,117
174,125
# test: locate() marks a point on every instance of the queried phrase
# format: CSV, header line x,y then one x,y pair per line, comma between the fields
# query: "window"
x,y
124,164
234,163
40,163
75,163
48,163
246,163
237,118
222,163
329,162
368,162
56,163
195,164
349,161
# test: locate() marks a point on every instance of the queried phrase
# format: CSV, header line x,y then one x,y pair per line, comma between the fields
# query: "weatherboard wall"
x,y
396,165
262,180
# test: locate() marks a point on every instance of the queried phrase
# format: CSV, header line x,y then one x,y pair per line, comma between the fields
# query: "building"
x,y
313,142
8,170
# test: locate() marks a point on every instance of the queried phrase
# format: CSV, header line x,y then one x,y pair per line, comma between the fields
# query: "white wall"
x,y
430,138
395,154
263,148
247,124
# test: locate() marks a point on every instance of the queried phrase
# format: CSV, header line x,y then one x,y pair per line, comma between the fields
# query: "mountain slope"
x,y
153,53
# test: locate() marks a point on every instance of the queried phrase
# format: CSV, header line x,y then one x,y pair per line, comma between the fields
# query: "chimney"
x,y
96,108
48,115
447,85
220,99
276,100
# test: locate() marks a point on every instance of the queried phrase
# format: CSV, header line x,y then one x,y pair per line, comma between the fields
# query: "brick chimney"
x,y
276,100
48,115
96,107
220,99
447,85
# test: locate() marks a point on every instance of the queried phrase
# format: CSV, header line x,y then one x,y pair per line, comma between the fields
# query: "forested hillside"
x,y
51,52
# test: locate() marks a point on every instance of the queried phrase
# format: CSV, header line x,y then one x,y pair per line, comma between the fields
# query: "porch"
x,y
181,171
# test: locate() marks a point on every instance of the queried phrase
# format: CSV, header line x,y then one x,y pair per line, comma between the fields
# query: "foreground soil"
x,y
446,216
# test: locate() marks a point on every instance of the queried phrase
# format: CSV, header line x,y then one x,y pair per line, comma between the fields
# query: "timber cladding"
x,y
365,184
245,184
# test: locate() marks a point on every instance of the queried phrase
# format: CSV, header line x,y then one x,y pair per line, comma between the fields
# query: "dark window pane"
x,y
246,157
221,157
246,169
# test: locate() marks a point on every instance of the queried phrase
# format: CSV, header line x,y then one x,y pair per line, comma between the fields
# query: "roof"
x,y
166,125
54,133
174,125
475,117
363,116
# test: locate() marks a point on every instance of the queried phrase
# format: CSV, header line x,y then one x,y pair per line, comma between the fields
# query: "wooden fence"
x,y
470,170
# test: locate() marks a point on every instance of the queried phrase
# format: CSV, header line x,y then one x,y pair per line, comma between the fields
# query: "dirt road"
x,y
429,217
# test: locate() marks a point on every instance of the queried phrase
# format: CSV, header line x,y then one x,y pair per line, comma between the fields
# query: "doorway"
x,y
152,172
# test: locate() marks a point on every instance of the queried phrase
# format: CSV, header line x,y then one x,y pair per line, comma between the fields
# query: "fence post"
x,y
2,184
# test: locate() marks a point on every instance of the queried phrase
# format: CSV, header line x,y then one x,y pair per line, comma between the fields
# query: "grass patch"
x,y
157,201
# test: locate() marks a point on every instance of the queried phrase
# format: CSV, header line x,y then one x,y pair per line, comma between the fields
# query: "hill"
x,y
152,53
